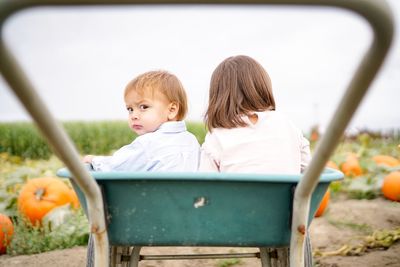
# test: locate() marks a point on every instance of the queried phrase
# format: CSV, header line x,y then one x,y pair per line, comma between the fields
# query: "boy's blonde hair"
x,y
239,85
163,82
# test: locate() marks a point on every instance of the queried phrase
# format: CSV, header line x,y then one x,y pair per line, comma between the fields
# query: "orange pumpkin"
x,y
323,204
386,160
6,232
351,167
40,195
391,186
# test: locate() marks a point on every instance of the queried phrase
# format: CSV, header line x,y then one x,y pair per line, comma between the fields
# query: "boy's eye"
x,y
130,110
143,107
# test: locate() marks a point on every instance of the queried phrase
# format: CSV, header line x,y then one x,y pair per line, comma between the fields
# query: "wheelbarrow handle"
x,y
377,13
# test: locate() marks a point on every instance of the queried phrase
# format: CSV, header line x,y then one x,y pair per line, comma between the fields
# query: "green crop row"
x,y
23,139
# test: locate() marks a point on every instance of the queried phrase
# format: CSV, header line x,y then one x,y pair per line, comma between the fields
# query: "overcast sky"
x,y
80,59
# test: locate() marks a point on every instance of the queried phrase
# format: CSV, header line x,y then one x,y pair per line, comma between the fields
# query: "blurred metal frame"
x,y
376,12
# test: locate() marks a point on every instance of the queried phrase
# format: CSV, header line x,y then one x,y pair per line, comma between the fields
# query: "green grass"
x,y
31,240
363,228
229,262
99,137
23,139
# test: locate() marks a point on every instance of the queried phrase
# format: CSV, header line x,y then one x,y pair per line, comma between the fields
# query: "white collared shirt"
x,y
271,145
170,148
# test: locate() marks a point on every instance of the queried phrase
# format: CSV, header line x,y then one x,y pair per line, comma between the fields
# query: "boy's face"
x,y
148,111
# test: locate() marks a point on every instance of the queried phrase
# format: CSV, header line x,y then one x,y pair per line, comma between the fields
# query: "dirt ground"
x,y
345,222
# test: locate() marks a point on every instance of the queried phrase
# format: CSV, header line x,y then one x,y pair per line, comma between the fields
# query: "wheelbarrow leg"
x,y
90,252
118,255
274,257
279,257
135,257
308,258
113,256
265,257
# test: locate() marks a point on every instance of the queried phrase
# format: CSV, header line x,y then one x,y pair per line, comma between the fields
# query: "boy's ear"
x,y
173,109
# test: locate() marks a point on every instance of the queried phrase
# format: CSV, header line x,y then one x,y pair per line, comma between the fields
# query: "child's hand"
x,y
88,159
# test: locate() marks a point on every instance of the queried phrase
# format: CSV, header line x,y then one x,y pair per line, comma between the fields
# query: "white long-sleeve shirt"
x,y
271,145
170,148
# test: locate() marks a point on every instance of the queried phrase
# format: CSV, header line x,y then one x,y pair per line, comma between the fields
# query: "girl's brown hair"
x,y
239,85
163,82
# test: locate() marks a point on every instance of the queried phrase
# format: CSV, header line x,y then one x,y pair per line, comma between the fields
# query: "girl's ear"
x,y
173,109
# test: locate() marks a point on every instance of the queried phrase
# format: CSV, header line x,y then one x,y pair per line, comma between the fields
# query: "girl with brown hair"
x,y
246,133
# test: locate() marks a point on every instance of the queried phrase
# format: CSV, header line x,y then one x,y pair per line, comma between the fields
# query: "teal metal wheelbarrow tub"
x,y
200,209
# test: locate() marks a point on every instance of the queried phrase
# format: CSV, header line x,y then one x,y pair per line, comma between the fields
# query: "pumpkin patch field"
x,y
43,208
357,223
